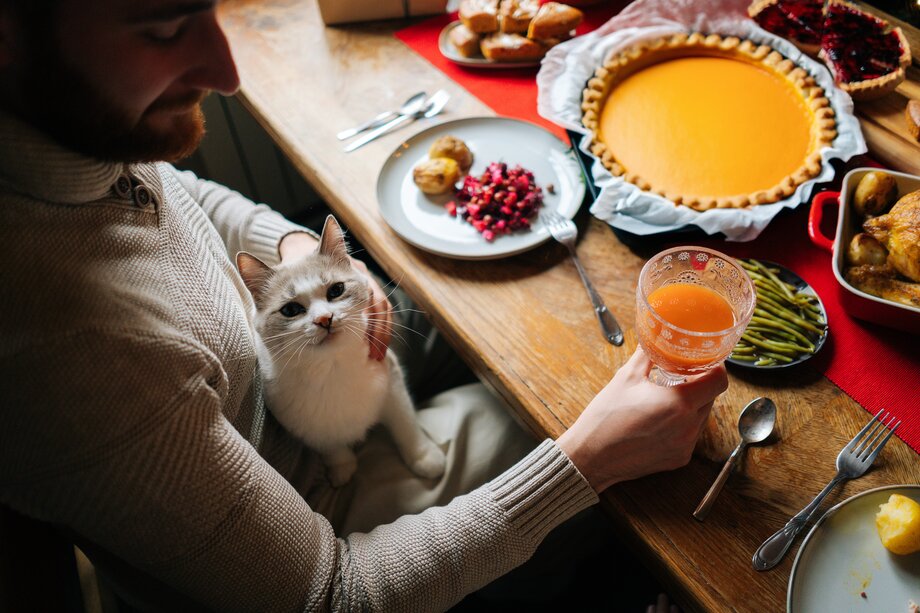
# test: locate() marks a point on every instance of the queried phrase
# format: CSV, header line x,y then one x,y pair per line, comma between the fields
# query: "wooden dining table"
x,y
525,326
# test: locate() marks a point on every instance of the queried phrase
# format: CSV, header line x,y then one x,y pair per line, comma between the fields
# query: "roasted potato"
x,y
436,176
452,147
866,250
875,193
898,523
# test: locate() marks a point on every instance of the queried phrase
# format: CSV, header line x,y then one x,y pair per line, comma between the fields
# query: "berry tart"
x,y
866,55
798,21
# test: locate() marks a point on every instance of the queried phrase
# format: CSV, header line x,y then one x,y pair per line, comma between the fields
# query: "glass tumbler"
x,y
692,305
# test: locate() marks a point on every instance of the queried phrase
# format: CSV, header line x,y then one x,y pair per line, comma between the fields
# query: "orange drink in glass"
x,y
692,304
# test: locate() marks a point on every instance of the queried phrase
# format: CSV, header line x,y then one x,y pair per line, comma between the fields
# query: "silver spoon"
x,y
427,108
755,424
407,107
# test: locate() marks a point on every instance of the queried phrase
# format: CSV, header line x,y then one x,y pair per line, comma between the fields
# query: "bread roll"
x,y
464,40
554,20
480,16
511,48
516,15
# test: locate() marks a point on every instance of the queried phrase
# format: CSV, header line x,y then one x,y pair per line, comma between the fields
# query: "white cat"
x,y
320,382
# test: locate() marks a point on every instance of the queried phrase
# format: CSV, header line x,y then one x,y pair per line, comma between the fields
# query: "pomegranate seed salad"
x,y
500,201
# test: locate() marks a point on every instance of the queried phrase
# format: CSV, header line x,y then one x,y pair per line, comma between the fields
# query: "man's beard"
x,y
65,105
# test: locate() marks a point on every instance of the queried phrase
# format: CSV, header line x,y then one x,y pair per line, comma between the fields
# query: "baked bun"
x,y
511,48
464,40
516,15
480,16
436,176
452,147
554,20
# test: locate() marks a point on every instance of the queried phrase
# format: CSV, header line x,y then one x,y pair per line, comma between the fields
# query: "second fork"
x,y
852,462
564,230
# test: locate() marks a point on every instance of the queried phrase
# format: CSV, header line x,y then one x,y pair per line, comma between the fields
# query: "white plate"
x,y
423,221
843,557
448,50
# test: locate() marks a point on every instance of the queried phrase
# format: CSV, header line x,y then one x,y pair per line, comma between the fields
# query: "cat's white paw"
x,y
430,462
341,472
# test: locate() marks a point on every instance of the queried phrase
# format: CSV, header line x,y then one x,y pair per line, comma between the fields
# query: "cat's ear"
x,y
332,242
255,273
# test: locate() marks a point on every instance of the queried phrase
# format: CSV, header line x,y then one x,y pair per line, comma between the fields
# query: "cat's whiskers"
x,y
266,339
287,343
307,341
292,348
394,324
360,333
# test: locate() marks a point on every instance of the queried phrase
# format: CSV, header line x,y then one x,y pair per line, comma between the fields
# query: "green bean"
x,y
740,348
743,357
777,356
777,345
773,278
770,298
772,323
790,316
769,346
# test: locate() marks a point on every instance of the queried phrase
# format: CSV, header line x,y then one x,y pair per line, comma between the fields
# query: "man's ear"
x,y
255,273
332,242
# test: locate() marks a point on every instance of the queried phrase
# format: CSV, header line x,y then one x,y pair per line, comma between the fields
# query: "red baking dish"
x,y
856,302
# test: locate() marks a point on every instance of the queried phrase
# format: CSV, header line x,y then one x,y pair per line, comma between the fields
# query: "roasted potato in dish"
x,y
866,250
874,195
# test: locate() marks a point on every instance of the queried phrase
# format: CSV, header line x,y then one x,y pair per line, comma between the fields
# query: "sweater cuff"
x,y
267,230
541,491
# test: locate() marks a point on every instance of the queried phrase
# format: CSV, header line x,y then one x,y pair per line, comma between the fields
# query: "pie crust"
x,y
817,116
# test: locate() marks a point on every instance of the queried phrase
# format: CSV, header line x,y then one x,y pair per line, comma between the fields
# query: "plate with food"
x,y
876,250
789,325
506,33
474,188
862,555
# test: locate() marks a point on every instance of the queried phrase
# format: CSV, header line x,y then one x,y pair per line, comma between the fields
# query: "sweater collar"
x,y
34,164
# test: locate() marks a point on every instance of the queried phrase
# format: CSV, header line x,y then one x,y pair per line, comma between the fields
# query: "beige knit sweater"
x,y
131,412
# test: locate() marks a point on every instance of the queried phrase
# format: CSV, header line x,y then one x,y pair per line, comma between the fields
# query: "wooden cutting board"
x,y
883,122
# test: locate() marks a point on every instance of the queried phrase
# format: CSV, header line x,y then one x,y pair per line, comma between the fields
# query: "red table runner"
x,y
876,366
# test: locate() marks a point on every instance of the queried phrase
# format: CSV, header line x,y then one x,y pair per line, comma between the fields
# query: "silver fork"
x,y
564,231
852,462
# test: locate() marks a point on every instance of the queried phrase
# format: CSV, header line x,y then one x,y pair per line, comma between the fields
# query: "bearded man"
x,y
131,412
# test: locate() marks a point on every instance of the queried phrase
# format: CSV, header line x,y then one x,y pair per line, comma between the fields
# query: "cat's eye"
x,y
335,290
292,309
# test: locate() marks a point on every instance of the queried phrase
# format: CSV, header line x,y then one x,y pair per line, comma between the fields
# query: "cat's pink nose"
x,y
324,321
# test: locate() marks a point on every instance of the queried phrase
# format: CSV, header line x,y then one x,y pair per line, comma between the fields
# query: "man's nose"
x,y
215,69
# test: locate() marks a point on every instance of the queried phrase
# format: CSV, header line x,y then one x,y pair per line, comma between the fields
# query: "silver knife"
x,y
428,108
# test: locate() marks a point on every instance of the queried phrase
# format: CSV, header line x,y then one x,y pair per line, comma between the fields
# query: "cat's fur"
x,y
320,382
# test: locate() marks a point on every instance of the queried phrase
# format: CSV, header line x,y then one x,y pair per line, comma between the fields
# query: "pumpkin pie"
x,y
708,122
